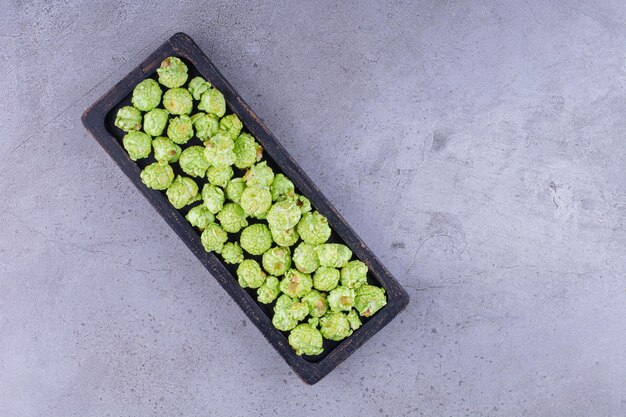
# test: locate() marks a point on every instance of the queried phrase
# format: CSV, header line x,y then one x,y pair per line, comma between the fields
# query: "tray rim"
x,y
94,119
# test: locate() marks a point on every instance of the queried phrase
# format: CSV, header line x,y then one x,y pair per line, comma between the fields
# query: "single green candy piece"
x,y
219,176
247,151
277,260
326,278
157,176
165,150
232,253
313,228
269,290
147,95
232,218
198,86
353,318
182,191
128,119
305,258
172,72
282,187
213,198
232,125
296,283
178,101
137,144
334,255
213,238
200,217
205,125
250,274
219,150
303,203
212,101
369,299
235,188
299,310
285,237
335,326
306,340
193,162
284,303
341,299
283,320
256,239
317,303
283,215
180,129
313,321
354,274
256,201
154,122
259,175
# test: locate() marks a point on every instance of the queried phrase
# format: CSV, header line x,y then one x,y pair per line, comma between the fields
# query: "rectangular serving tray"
x,y
99,118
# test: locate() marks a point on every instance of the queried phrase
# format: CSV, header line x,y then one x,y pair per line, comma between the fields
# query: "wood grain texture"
x,y
96,120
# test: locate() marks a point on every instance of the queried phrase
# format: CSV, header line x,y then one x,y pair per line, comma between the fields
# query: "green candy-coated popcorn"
x,y
247,151
182,191
259,175
277,260
180,129
284,303
353,318
335,255
178,101
154,122
341,299
205,125
157,176
282,187
303,203
212,101
235,188
305,258
128,118
137,144
193,162
326,278
256,201
219,176
250,274
369,299
219,150
313,321
285,237
232,218
316,302
354,274
306,340
213,238
198,86
335,326
256,239
165,150
313,228
269,290
231,125
296,283
283,215
298,310
147,95
213,198
172,72
200,217
232,253
283,320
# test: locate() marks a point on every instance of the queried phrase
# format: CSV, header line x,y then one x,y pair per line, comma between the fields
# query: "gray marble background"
x,y
478,147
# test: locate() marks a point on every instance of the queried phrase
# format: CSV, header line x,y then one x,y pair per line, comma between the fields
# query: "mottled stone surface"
x,y
500,125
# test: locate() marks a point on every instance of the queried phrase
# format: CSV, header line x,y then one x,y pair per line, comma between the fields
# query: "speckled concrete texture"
x,y
478,147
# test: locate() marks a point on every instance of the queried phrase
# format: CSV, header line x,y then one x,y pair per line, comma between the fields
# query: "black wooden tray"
x,y
98,119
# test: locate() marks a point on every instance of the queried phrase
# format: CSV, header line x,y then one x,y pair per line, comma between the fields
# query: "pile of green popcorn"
x,y
255,221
